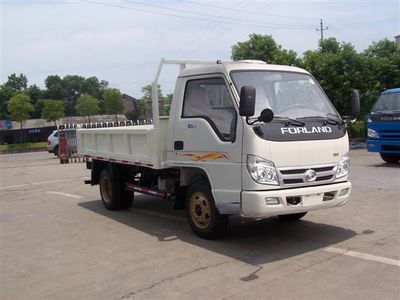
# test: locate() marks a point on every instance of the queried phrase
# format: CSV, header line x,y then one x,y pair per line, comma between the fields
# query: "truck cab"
x,y
384,126
292,164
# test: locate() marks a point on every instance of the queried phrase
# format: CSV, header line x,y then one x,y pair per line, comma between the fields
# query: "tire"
x,y
201,213
390,158
292,217
112,192
55,151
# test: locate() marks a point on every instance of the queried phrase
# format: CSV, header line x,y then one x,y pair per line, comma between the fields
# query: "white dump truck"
x,y
242,138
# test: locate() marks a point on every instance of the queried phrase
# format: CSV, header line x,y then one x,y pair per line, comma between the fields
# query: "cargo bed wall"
x,y
139,145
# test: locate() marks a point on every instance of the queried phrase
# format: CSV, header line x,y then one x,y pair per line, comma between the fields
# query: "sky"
x,y
122,41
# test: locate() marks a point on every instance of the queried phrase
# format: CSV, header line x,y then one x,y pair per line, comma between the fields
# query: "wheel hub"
x,y
200,210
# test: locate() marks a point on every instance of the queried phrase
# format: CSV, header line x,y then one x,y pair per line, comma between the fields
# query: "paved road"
x,y
58,242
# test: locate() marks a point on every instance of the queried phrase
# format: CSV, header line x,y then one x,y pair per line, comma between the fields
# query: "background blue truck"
x,y
384,126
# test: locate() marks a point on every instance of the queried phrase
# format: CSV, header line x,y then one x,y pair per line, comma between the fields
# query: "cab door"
x,y
207,134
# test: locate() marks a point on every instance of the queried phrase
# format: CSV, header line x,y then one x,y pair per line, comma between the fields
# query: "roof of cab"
x,y
240,65
391,91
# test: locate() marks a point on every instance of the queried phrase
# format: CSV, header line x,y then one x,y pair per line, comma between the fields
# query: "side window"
x,y
210,99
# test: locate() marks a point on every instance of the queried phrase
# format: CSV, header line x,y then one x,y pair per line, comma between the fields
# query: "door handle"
x,y
178,145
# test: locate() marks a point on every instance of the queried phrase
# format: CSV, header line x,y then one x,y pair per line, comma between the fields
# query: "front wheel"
x,y
292,217
390,158
202,215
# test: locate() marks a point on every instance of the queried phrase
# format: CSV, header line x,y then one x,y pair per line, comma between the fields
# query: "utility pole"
x,y
321,28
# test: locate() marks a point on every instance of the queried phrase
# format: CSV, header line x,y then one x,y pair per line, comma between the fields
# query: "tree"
x,y
339,69
35,94
73,85
87,106
167,103
14,85
264,47
54,87
19,108
382,61
17,83
113,102
53,110
5,94
145,103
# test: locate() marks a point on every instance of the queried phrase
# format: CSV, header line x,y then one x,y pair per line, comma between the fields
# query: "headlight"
x,y
343,167
262,170
372,133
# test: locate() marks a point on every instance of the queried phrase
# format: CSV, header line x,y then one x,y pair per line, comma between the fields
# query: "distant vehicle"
x,y
52,143
384,126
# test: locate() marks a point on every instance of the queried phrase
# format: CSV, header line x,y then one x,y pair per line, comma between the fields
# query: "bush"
x,y
358,130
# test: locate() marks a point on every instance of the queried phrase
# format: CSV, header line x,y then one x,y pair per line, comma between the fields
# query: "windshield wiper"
x,y
288,121
326,119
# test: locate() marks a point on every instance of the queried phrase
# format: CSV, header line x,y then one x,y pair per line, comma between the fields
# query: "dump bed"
x,y
141,145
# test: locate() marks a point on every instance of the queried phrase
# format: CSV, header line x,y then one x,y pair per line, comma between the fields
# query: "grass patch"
x,y
22,147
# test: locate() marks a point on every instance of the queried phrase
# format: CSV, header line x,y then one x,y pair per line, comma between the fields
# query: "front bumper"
x,y
383,146
253,203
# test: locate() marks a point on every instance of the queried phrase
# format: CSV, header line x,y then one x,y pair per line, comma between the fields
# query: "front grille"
x,y
292,177
391,148
389,134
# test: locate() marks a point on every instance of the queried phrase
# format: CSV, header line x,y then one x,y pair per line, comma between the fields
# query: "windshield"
x,y
387,103
291,95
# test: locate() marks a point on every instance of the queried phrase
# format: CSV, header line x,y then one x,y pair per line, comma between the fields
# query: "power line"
x,y
210,17
246,11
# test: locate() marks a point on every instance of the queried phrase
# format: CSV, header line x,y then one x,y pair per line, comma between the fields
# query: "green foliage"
x,y
339,69
87,106
22,147
113,102
141,108
35,95
14,85
167,104
17,83
5,94
144,105
264,47
52,110
357,130
382,63
71,87
147,90
19,107
54,87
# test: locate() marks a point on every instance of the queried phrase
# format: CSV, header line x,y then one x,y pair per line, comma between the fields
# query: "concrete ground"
x,y
58,242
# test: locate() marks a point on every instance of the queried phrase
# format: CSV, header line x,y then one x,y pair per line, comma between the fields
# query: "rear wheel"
x,y
113,193
203,217
390,158
292,217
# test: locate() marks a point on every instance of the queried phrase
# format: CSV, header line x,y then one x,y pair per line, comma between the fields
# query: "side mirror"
x,y
266,116
247,101
354,105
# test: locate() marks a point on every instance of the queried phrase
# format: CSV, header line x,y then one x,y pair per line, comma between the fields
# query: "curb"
x,y
23,150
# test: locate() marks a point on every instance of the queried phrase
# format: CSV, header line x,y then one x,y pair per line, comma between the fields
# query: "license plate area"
x,y
313,199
